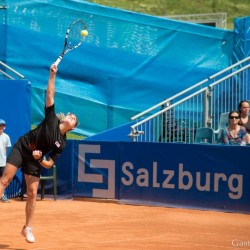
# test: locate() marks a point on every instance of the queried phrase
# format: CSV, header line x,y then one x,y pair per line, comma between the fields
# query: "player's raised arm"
x,y
51,86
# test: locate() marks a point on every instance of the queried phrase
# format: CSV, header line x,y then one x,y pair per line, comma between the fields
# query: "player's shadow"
x,y
3,246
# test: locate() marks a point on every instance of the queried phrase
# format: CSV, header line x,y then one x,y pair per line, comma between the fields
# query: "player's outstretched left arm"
x,y
51,86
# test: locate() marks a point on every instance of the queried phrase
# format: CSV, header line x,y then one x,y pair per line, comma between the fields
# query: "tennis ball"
x,y
84,32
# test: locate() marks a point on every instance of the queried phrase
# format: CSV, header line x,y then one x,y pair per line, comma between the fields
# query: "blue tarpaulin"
x,y
127,63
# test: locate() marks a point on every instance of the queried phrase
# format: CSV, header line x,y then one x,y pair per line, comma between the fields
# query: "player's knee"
x,y
32,194
4,181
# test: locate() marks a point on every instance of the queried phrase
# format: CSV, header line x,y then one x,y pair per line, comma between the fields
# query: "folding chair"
x,y
223,122
204,135
44,178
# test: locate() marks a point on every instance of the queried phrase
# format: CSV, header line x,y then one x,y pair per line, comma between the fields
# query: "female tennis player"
x,y
49,139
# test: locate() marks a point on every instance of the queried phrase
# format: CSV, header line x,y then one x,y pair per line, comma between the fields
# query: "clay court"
x,y
84,224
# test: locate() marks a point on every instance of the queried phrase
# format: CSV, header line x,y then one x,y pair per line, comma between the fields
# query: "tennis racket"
x,y
73,38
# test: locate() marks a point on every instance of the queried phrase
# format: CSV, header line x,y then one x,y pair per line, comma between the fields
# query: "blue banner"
x,y
15,96
179,175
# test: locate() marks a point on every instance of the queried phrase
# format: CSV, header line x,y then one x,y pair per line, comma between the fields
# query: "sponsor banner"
x,y
206,176
97,174
185,175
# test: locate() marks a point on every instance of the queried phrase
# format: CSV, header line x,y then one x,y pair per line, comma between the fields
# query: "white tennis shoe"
x,y
27,233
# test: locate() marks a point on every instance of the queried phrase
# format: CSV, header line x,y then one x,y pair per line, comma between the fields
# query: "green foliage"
x,y
75,136
232,8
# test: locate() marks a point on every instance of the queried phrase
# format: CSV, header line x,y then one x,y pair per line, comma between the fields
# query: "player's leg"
x,y
32,183
8,174
3,198
14,160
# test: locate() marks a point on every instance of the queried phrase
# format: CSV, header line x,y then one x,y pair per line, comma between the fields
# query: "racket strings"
x,y
73,36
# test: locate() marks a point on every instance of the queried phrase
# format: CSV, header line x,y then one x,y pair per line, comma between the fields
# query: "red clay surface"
x,y
79,224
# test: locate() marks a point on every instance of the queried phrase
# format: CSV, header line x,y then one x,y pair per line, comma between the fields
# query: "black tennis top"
x,y
46,137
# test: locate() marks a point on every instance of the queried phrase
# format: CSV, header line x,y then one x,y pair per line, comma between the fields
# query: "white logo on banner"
x,y
96,178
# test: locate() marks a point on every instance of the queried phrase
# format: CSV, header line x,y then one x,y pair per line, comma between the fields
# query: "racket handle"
x,y
58,60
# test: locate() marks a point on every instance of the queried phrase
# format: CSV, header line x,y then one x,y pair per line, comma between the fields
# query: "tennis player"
x,y
49,139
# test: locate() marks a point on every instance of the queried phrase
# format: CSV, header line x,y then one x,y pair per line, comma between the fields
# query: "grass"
x,y
75,136
232,8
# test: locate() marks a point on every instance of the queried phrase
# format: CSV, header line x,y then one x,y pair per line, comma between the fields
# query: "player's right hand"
x,y
53,68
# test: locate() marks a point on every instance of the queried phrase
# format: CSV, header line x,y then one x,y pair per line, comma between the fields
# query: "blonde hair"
x,y
61,116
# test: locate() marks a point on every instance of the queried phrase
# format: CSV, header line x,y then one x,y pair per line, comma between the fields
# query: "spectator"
x,y
245,117
4,145
234,134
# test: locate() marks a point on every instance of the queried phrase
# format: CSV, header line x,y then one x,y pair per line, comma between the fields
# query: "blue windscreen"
x,y
127,63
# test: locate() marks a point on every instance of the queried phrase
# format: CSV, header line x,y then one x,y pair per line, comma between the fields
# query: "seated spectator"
x,y
245,117
234,134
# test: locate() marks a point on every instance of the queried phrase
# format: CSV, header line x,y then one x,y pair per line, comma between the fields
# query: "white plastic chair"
x,y
223,122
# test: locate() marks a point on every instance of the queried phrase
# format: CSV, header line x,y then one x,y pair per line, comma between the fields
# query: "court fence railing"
x,y
7,72
177,118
